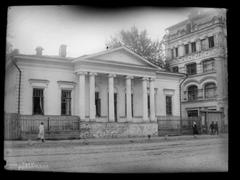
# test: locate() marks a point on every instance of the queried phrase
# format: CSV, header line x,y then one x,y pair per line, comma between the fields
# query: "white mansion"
x,y
115,85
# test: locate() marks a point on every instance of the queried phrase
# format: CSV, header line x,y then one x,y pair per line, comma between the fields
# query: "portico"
x,y
125,107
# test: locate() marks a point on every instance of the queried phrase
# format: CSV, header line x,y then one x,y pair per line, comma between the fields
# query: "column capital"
x,y
145,78
129,77
152,79
92,73
111,75
82,73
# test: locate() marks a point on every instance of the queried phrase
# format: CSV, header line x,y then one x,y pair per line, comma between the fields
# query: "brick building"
x,y
197,47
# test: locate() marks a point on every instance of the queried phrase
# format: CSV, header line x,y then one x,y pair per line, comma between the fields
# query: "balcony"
x,y
199,95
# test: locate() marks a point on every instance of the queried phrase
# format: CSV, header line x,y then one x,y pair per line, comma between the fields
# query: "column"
x,y
82,94
129,97
92,106
144,99
111,97
152,103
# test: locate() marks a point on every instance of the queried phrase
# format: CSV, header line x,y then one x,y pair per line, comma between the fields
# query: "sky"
x,y
84,30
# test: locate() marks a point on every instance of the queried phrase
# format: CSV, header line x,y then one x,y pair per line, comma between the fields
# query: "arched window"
x,y
210,90
192,92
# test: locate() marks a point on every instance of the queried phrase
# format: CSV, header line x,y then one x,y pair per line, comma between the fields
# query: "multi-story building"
x,y
197,47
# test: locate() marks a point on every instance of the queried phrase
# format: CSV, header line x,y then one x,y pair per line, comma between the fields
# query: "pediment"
x,y
120,55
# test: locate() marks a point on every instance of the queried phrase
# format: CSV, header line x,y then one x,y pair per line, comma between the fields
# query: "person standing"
x,y
41,132
216,128
212,128
195,131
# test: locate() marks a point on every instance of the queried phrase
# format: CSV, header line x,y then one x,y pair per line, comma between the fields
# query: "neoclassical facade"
x,y
198,48
114,85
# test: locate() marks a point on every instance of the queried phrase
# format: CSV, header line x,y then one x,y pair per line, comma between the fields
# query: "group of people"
x,y
213,128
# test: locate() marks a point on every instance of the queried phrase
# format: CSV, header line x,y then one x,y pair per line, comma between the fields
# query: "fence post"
x,y
18,124
48,124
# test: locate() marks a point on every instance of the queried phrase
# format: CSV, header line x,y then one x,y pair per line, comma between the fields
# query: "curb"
x,y
108,141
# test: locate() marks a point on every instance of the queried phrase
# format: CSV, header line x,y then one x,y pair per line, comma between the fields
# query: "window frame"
x,y
186,49
169,105
211,43
207,90
206,62
195,49
175,69
68,99
176,52
41,98
190,71
192,94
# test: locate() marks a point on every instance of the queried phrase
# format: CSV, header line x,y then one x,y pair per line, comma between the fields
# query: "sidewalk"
x,y
108,141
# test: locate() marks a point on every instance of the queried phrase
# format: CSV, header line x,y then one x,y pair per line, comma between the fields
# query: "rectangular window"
x,y
176,52
191,69
98,104
211,42
66,102
193,47
192,113
204,44
38,103
208,65
175,69
126,104
172,53
148,105
132,104
186,47
169,105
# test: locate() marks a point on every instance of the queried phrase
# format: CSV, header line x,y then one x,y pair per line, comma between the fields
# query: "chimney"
x,y
39,50
63,50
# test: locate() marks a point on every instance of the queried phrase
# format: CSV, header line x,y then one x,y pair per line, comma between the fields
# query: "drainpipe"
x,y
19,85
180,85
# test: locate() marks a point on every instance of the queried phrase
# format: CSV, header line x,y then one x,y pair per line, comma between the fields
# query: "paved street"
x,y
179,155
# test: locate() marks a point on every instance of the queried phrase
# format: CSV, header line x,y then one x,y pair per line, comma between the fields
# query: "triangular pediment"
x,y
121,55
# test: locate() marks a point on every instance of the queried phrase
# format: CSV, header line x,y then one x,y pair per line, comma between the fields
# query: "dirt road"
x,y
193,155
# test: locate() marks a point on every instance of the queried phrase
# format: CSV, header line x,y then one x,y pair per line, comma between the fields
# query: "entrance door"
x,y
115,106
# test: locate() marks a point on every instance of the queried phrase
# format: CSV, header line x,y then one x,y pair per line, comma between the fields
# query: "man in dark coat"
x,y
212,128
216,128
195,131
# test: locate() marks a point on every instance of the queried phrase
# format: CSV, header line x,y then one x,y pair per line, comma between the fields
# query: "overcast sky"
x,y
84,30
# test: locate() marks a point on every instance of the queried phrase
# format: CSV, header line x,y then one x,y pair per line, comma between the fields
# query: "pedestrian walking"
x,y
212,128
195,130
41,132
216,128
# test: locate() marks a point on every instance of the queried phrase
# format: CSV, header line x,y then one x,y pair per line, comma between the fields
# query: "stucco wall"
x,y
165,87
52,93
11,90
